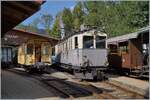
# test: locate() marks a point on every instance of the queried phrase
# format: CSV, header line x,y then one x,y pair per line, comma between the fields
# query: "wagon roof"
x,y
16,37
128,36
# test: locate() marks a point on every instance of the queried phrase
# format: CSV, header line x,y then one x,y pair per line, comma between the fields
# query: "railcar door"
x,y
46,53
29,56
37,53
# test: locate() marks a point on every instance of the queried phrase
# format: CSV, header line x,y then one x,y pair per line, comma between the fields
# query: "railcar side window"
x,y
76,42
71,43
45,50
100,42
29,48
88,42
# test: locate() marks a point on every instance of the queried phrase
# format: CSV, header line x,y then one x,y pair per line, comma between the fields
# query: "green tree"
x,y
78,15
117,17
56,27
67,19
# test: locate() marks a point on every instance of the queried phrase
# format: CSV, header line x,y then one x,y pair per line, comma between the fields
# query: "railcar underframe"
x,y
85,63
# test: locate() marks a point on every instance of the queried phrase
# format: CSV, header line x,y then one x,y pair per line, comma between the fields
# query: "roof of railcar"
x,y
128,36
79,32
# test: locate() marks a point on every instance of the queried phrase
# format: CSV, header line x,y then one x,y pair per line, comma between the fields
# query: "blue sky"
x,y
51,7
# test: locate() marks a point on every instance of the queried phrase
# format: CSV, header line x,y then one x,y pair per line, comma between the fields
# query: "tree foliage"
x,y
67,19
78,15
112,17
117,17
56,27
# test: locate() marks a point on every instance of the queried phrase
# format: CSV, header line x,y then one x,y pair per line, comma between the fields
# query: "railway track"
x,y
67,89
98,90
111,91
60,87
85,89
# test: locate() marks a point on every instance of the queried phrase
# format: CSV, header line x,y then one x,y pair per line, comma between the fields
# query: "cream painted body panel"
x,y
46,58
29,59
62,46
71,55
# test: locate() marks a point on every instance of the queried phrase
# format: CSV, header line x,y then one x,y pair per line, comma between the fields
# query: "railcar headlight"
x,y
106,63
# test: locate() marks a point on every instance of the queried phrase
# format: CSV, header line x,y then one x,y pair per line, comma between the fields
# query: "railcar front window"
x,y
100,42
88,42
45,50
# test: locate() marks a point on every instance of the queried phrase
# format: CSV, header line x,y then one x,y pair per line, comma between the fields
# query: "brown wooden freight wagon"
x,y
129,52
34,49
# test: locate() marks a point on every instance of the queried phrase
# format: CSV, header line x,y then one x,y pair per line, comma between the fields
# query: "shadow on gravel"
x,y
60,87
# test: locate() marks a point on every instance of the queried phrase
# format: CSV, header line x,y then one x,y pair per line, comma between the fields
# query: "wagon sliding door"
x,y
136,54
37,53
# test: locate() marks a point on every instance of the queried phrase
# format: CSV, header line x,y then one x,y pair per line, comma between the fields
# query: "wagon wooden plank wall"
x,y
31,47
130,52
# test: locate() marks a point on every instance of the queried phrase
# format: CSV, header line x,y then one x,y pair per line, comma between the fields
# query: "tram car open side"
x,y
85,53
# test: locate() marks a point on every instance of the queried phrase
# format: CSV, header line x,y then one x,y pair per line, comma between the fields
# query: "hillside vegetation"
x,y
112,17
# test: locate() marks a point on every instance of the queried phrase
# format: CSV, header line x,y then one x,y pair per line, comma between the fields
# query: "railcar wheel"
x,y
100,75
28,71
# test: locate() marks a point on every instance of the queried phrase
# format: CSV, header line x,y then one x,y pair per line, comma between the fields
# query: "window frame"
x,y
29,48
76,42
92,41
104,44
45,50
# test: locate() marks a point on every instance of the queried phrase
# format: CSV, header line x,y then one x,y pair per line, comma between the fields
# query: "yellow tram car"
x,y
36,52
